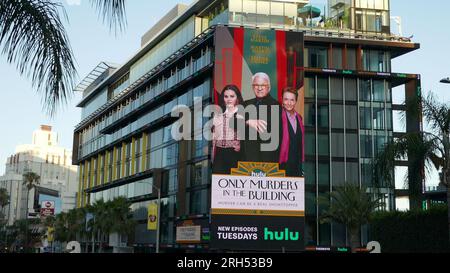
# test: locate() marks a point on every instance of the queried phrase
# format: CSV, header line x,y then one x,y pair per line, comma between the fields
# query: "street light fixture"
x,y
445,80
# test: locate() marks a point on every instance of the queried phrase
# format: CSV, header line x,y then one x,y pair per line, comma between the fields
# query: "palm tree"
x,y
351,206
425,150
122,217
33,38
30,180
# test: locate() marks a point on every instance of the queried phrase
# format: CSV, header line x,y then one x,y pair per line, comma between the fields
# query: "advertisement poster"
x,y
257,195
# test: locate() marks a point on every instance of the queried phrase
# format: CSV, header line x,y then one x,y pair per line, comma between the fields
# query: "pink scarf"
x,y
284,152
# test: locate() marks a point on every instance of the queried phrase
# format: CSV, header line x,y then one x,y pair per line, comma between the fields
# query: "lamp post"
x,y
445,80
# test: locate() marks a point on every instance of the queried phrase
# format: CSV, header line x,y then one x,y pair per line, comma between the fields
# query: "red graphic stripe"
x,y
238,50
281,62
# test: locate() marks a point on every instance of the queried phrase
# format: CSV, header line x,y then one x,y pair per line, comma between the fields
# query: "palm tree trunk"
x,y
354,239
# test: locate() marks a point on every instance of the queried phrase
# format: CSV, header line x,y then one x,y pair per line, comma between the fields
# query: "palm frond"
x,y
33,37
113,13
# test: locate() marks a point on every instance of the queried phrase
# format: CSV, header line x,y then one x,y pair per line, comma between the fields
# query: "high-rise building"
x,y
58,177
124,145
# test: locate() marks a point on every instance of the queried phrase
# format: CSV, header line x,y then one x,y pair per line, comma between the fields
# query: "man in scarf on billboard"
x,y
256,149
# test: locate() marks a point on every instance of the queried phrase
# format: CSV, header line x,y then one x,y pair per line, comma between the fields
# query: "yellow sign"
x,y
258,169
50,231
152,218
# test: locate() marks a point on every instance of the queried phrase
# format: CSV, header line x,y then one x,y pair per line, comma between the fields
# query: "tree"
x,y
351,206
33,38
111,217
30,180
121,217
425,150
4,201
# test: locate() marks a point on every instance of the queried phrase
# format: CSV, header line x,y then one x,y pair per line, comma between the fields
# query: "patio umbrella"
x,y
309,11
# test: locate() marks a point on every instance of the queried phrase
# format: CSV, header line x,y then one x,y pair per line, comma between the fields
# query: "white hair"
x,y
262,75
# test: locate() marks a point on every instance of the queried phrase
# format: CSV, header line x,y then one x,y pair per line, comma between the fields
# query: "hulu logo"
x,y
285,235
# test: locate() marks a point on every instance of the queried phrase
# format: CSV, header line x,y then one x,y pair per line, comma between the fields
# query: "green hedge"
x,y
412,232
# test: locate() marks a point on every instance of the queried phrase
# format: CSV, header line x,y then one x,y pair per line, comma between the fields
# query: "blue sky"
x,y
21,111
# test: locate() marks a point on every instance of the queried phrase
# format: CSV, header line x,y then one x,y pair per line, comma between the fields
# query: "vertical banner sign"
x,y
152,216
258,184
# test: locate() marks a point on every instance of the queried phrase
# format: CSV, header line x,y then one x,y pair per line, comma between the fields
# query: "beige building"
x,y
51,162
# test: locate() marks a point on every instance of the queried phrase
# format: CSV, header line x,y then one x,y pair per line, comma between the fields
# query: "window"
x,y
322,88
310,86
198,201
337,145
324,145
366,146
351,58
351,90
316,57
336,89
352,148
378,91
337,58
365,93
351,117
378,118
366,118
337,116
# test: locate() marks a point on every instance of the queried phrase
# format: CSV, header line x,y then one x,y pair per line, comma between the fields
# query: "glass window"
x,y
156,138
199,173
322,88
310,86
337,58
338,173
310,110
352,149
378,118
365,90
156,159
310,173
317,57
380,142
337,145
324,174
366,146
322,116
198,202
323,145
351,58
366,174
310,143
351,117
352,173
337,116
336,89
366,118
351,90
378,91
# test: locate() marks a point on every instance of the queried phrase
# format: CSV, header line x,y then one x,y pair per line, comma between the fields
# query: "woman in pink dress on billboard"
x,y
226,145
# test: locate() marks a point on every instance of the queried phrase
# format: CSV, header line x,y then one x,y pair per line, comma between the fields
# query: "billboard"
x,y
257,195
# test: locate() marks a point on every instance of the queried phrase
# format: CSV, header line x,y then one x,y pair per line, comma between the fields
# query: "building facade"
x,y
48,160
124,145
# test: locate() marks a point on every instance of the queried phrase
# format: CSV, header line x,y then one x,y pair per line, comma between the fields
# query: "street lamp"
x,y
445,80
